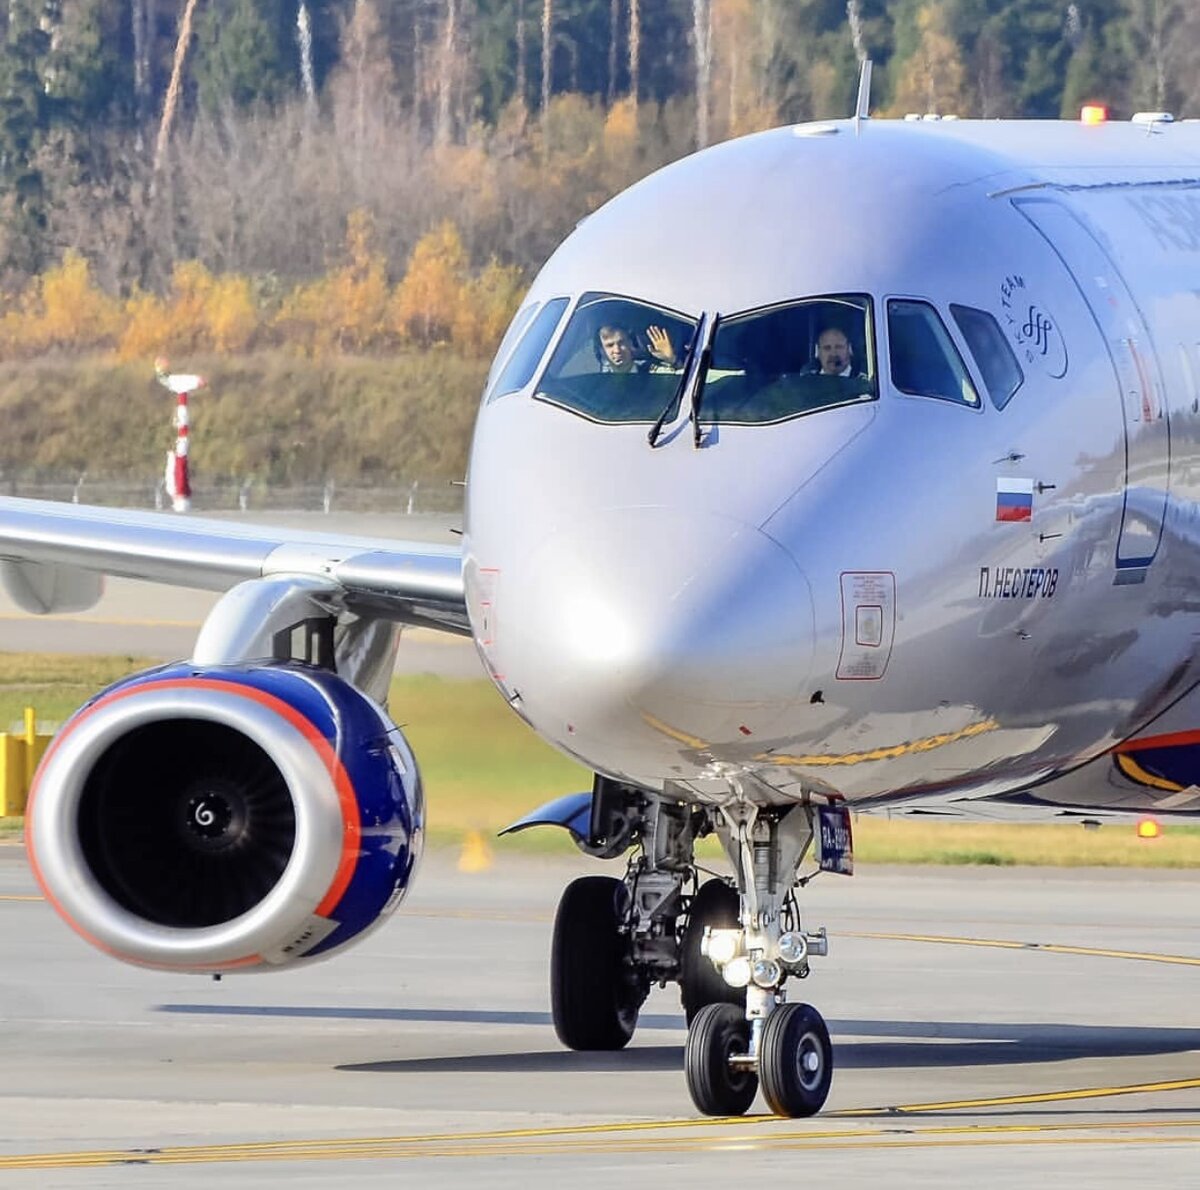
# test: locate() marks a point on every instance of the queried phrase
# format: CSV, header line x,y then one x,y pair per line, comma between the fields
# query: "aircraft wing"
x,y
52,554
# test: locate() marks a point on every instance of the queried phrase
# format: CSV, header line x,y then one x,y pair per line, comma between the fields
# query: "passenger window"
x,y
515,329
523,362
997,364
925,361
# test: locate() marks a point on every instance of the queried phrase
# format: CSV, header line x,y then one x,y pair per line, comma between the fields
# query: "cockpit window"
x,y
515,328
523,362
925,361
997,364
618,360
778,362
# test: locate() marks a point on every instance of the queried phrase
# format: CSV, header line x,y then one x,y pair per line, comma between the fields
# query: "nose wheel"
x,y
794,1062
720,1077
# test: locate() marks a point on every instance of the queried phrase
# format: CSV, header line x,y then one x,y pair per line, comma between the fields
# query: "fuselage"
x,y
927,572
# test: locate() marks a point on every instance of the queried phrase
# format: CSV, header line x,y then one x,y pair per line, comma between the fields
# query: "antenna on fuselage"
x,y
862,109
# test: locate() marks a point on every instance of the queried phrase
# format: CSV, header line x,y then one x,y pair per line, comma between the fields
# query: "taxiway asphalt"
x,y
991,1028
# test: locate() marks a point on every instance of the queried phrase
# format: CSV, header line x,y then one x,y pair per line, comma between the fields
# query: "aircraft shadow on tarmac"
x,y
860,1044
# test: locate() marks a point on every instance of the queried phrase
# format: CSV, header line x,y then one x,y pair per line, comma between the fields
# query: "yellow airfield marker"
x,y
476,855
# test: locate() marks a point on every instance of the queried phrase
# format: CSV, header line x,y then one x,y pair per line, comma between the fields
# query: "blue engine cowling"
x,y
226,818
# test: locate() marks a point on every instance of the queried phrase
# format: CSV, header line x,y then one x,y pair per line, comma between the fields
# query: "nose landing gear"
x,y
731,950
783,1047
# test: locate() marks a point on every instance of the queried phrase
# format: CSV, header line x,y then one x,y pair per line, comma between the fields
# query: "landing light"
x,y
721,945
766,973
737,972
1093,113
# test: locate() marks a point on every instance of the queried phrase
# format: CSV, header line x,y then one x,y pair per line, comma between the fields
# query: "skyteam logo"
x,y
1014,499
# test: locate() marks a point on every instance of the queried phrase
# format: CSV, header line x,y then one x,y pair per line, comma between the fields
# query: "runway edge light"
x,y
1148,828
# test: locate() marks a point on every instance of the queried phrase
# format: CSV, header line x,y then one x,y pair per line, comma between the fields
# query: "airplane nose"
x,y
648,626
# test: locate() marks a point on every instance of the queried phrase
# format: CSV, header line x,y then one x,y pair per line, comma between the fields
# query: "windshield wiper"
x,y
685,369
705,363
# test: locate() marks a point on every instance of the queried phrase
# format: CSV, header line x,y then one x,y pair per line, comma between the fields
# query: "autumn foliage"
x,y
355,308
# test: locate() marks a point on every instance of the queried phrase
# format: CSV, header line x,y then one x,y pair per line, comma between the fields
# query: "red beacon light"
x,y
1093,113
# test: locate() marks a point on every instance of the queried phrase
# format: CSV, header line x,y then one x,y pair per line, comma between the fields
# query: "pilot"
x,y
831,378
835,356
618,353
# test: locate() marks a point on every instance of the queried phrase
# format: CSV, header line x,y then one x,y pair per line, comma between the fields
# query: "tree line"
x,y
351,310
256,139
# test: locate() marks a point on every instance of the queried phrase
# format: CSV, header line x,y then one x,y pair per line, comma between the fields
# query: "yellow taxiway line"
x,y
1047,947
1182,1084
658,1136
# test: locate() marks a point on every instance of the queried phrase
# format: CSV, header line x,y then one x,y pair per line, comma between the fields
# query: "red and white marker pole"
x,y
178,485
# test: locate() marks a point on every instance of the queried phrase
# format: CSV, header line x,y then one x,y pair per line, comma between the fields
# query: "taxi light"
x,y
793,948
766,973
1148,828
1093,113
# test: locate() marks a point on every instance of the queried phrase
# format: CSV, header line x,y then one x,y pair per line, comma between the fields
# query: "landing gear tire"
x,y
795,1060
594,994
719,1032
715,904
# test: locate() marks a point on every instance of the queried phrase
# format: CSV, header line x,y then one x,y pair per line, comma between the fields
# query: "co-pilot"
x,y
618,352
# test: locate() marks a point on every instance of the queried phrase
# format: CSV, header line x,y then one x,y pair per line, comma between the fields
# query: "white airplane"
x,y
848,466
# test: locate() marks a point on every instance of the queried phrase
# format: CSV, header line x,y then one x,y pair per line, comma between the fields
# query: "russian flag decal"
x,y
1014,499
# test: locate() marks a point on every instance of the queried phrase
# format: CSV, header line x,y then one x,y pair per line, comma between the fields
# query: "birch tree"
x,y
447,68
614,35
521,81
702,46
635,50
363,86
547,50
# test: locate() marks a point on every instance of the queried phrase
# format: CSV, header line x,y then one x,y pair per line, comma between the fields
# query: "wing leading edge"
x,y
413,583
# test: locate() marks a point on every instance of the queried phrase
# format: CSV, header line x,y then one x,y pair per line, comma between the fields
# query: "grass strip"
x,y
483,768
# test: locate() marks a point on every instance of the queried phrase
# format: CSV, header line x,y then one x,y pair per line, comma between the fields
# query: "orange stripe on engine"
x,y
1176,739
351,834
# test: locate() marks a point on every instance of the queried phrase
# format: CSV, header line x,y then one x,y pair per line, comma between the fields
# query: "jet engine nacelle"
x,y
226,818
